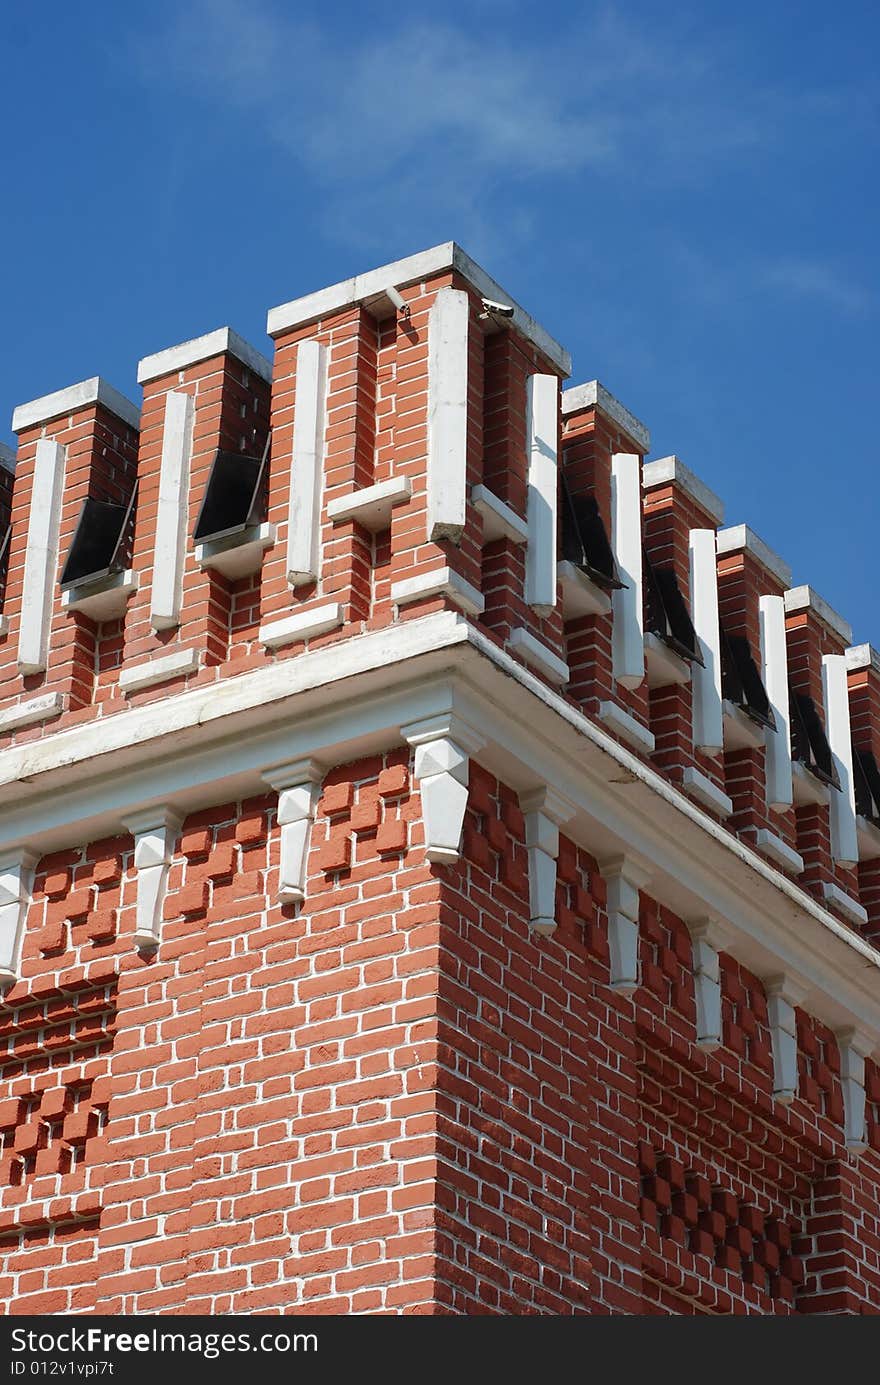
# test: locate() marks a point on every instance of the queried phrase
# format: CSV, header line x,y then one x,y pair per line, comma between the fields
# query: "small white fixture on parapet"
x,y
854,1048
155,832
783,994
299,787
627,602
307,467
447,414
707,940
443,745
623,880
707,704
16,883
543,485
371,506
774,661
41,557
545,811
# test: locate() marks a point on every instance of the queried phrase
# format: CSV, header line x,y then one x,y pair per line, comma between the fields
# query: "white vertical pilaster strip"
x,y
623,881
706,681
41,557
835,694
782,996
544,811
774,662
627,602
155,832
299,788
307,465
16,883
705,942
543,486
854,1048
171,518
447,414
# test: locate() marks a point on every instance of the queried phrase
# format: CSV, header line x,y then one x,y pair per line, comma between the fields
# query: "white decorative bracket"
x,y
299,788
707,940
171,516
627,602
16,883
783,994
544,811
774,660
854,1049
41,557
447,414
543,485
155,832
842,803
443,745
708,720
307,465
623,880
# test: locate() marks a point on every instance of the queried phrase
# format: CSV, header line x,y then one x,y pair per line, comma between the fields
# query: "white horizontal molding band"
x,y
161,670
41,557
304,625
199,747
35,709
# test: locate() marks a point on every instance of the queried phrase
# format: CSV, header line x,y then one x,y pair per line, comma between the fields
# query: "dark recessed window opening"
x,y
809,744
584,540
867,785
235,496
666,614
741,682
101,541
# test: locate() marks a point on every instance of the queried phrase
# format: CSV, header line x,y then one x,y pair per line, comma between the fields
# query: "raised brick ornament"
x,y
438,859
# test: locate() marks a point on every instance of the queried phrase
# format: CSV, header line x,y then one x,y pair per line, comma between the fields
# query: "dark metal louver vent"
x,y
584,540
100,540
809,744
867,785
741,682
666,614
234,497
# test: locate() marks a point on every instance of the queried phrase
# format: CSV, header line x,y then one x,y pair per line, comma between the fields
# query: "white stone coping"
x,y
74,397
672,471
371,506
102,598
7,457
804,598
862,656
594,395
187,353
303,625
161,670
236,555
778,851
581,596
838,899
42,708
499,520
412,270
699,786
739,537
536,654
627,727
439,581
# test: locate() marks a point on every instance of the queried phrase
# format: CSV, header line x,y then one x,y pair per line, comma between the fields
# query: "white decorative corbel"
x,y
443,745
299,788
623,879
783,994
854,1048
16,883
544,812
155,832
707,940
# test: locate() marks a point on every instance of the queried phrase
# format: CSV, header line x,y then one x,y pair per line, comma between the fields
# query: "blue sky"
x,y
685,194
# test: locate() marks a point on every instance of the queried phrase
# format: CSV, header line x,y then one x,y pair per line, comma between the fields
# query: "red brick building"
x,y
440,863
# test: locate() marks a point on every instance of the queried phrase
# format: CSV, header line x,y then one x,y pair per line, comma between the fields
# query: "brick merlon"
x,y
79,396
804,598
371,290
594,395
672,470
187,353
739,537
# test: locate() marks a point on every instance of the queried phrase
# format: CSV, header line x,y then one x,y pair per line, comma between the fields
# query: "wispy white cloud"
x,y
818,282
